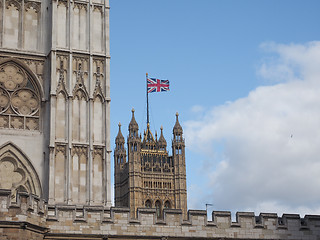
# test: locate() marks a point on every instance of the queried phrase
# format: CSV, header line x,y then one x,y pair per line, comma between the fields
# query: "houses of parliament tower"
x,y
145,175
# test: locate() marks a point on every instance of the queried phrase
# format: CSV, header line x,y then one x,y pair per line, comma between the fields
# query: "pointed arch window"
x,y
148,204
19,98
158,208
167,204
178,138
178,151
16,171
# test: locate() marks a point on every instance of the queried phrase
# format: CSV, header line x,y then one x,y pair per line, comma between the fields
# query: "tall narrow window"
x,y
167,204
148,204
158,208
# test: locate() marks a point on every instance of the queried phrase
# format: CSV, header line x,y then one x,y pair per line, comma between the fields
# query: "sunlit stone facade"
x,y
54,100
55,151
147,177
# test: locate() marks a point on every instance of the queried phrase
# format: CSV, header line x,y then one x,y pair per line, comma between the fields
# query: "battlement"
x,y
31,213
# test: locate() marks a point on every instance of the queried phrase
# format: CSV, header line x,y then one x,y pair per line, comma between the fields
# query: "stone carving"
x,y
97,151
17,122
79,150
4,100
33,5
97,8
80,5
4,121
16,4
80,90
12,77
63,2
35,66
10,175
98,90
16,172
61,148
19,98
25,102
61,84
32,124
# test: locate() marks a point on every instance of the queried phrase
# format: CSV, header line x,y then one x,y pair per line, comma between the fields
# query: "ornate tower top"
x,y
177,129
148,140
120,138
133,125
150,177
162,141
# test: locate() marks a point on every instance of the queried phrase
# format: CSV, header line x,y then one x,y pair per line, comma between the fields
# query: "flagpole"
x,y
147,99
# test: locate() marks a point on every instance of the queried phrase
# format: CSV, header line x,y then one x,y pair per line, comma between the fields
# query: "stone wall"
x,y
58,50
30,218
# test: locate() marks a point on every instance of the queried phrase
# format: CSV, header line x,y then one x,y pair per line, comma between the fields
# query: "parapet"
x,y
99,222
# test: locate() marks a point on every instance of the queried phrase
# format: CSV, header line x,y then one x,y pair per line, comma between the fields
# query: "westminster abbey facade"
x,y
54,100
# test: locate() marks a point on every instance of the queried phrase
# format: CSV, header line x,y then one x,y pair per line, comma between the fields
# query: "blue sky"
x,y
243,77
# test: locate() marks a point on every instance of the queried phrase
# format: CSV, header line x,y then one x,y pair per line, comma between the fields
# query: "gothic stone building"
x,y
149,177
55,142
54,100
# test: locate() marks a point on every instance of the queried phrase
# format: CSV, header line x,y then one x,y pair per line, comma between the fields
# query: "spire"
x,y
133,125
148,137
177,127
162,140
148,140
119,138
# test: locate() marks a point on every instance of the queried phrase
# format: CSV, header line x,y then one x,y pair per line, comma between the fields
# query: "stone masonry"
x,y
55,154
30,218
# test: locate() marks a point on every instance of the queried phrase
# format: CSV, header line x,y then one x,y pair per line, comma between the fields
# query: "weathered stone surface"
x,y
18,219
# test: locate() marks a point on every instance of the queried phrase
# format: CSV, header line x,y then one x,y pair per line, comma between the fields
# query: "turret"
x,y
177,131
178,152
150,177
120,157
134,140
162,143
133,126
134,147
120,152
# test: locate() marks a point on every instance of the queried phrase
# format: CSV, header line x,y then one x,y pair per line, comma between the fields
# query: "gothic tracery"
x,y
16,172
19,98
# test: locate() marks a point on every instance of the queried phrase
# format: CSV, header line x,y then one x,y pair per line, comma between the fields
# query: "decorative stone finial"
x,y
162,140
133,125
119,137
177,127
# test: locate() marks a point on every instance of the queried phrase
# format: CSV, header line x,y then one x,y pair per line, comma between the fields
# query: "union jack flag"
x,y
157,85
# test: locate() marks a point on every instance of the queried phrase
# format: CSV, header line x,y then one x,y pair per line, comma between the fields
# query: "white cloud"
x,y
270,157
197,109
